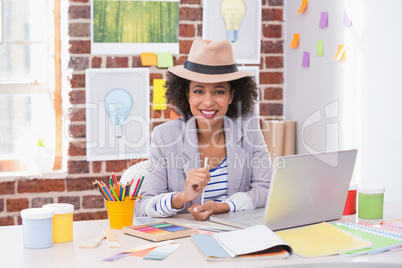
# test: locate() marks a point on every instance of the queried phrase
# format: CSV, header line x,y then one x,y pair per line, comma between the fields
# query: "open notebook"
x,y
381,241
321,239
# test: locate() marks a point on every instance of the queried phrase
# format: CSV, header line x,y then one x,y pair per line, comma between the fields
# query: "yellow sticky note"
x,y
165,59
148,59
302,6
159,94
340,53
295,40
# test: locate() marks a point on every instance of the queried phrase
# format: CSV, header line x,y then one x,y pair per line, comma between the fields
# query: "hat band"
x,y
208,69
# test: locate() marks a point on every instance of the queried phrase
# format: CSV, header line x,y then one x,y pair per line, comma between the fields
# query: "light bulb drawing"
x,y
232,12
118,104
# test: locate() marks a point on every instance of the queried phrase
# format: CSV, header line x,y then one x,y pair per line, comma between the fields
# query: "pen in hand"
x,y
203,190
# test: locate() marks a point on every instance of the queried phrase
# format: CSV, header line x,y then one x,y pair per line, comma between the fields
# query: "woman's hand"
x,y
196,180
202,212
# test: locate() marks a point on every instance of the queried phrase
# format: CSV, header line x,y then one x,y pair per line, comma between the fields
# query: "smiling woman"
x,y
211,148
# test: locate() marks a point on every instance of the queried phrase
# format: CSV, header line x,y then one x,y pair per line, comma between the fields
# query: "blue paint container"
x,y
37,226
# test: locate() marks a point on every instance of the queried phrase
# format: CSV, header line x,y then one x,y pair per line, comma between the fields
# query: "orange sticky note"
x,y
148,59
295,40
302,6
173,115
340,53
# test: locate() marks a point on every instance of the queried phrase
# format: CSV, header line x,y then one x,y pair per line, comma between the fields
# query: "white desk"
x,y
13,254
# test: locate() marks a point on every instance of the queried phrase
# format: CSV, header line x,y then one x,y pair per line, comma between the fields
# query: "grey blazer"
x,y
174,151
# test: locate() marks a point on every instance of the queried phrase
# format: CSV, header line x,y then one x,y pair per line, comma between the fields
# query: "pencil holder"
x,y
62,221
120,213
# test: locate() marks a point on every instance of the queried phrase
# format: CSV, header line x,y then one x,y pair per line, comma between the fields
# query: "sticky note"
x,y
320,48
295,40
302,6
165,59
159,98
148,59
324,19
173,115
347,20
340,53
306,59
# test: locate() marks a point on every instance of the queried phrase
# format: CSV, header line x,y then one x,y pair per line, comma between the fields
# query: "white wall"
x,y
354,104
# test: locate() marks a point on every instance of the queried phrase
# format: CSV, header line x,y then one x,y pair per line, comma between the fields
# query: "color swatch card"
x,y
160,231
161,252
321,239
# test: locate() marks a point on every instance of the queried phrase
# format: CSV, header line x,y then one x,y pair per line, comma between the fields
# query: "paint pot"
x,y
120,213
62,221
37,227
371,202
350,204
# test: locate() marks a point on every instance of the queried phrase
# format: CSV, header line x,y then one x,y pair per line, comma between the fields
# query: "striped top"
x,y
217,188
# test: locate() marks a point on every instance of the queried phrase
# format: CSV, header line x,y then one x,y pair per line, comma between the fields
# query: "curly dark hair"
x,y
244,98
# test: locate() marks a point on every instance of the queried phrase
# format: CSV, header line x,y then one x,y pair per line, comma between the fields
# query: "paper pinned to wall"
x,y
303,6
347,19
148,59
320,48
165,60
340,53
324,20
295,40
306,59
159,98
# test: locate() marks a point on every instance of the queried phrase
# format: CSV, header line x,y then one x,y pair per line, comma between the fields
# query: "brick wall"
x,y
76,188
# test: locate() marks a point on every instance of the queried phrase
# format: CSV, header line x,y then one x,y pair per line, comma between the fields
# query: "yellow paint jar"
x,y
62,222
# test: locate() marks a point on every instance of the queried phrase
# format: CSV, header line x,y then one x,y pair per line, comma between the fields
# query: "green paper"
x,y
165,59
320,48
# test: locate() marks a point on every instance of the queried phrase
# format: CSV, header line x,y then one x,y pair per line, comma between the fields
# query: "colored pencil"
x,y
123,193
114,193
139,186
136,187
109,194
114,178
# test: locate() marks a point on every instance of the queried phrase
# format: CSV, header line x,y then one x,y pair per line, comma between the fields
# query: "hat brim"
x,y
207,78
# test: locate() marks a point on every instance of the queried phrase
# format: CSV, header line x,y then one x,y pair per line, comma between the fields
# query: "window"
x,y
28,89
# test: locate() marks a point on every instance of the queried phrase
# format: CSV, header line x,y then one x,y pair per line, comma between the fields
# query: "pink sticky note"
x,y
324,19
306,59
347,20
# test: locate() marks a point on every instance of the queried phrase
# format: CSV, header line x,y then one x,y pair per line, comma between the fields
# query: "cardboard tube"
x,y
273,135
289,137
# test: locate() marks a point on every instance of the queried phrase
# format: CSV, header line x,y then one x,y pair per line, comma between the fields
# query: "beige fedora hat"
x,y
210,62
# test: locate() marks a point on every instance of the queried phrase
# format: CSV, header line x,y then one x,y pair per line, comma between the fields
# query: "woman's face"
x,y
209,102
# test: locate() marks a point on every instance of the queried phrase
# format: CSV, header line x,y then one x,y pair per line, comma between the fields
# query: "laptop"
x,y
304,189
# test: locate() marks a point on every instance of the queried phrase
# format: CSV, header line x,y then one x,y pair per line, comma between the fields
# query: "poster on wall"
x,y
237,20
117,113
134,26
